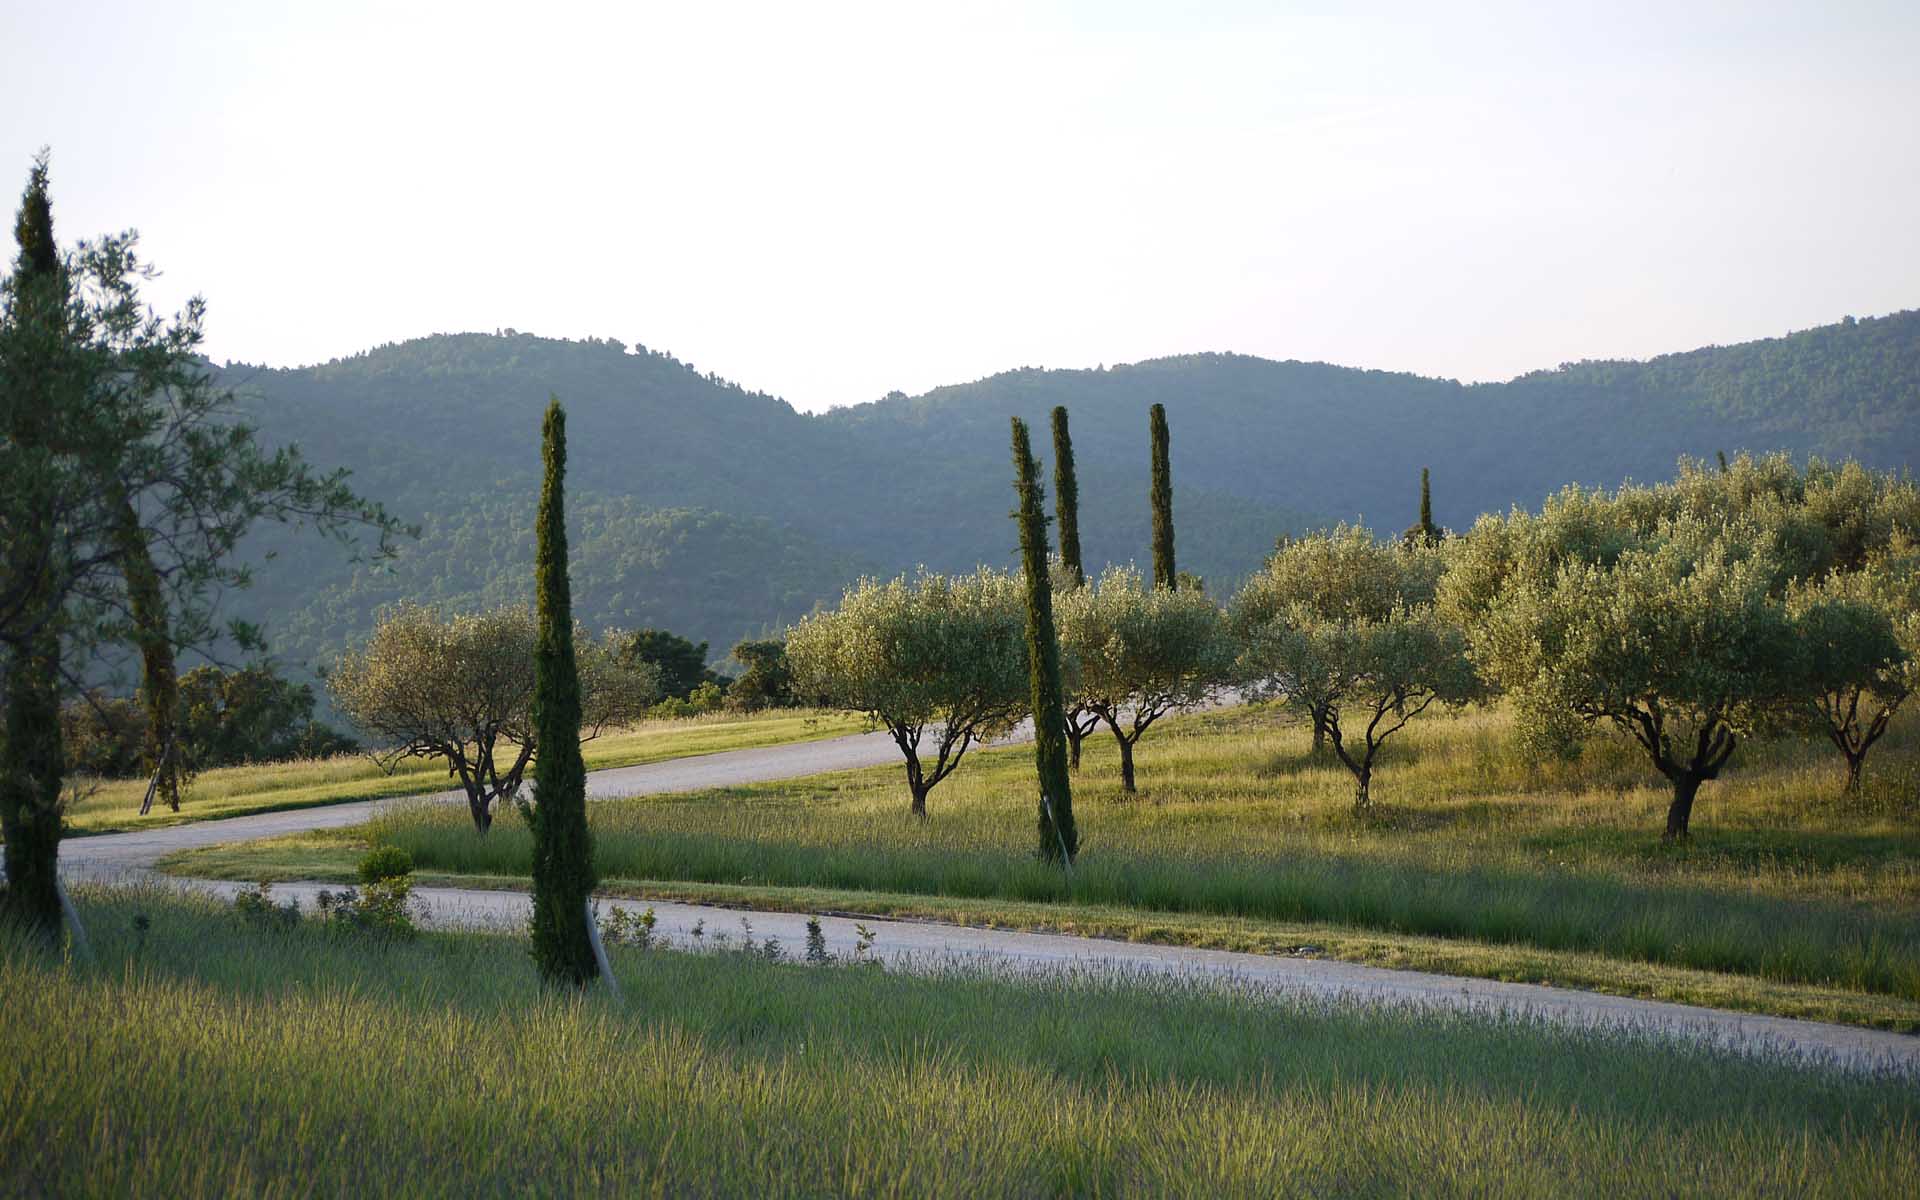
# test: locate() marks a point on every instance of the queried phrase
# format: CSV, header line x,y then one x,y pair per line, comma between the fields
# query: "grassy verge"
x,y
1788,900
314,1062
114,806
333,856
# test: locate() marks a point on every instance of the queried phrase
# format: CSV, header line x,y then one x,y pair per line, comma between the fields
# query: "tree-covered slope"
x,y
716,511
1345,443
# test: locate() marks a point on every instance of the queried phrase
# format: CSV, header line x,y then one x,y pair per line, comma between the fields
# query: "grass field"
x,y
316,1062
114,806
1788,899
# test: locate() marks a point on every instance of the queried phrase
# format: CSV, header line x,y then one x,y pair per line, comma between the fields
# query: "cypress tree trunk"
x,y
1059,840
1066,503
1163,569
562,850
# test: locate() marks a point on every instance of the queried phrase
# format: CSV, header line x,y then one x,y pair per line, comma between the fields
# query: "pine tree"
x,y
1066,497
562,848
33,754
1163,570
1059,840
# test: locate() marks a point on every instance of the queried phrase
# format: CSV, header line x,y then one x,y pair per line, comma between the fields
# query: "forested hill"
x,y
718,512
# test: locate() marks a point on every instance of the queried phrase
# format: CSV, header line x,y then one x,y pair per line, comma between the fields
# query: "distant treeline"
x,y
722,513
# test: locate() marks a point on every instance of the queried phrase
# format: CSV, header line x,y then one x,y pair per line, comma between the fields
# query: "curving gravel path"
x,y
915,945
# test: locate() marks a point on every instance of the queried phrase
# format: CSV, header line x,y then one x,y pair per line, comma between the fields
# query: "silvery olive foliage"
x,y
1689,615
1860,644
427,685
1345,627
1137,653
939,660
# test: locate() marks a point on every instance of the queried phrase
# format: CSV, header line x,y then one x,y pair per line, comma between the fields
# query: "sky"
x,y
831,201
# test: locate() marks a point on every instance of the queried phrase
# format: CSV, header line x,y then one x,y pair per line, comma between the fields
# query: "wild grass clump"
x,y
1784,880
200,1055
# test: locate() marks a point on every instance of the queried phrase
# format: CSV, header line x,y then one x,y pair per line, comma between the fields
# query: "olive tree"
x,y
1680,643
1140,652
1345,627
939,660
461,688
1859,634
1337,576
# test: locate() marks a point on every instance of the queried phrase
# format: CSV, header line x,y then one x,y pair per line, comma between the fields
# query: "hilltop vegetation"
x,y
720,512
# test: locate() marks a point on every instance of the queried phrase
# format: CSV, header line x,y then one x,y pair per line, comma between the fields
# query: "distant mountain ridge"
x,y
720,512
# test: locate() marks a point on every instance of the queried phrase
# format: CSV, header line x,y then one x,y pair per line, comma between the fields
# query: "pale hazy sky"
x,y
828,201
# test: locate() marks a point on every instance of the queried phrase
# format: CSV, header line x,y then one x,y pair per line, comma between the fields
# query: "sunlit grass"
x,y
114,805
1783,880
207,1056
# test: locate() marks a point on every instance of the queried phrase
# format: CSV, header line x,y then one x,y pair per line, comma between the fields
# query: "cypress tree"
x,y
1066,497
1425,531
33,754
1163,571
1059,840
562,849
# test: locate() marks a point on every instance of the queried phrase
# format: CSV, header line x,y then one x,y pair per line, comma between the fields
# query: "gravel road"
x,y
914,945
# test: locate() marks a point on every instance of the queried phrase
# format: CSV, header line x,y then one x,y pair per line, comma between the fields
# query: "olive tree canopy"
x,y
1680,643
939,660
1345,627
1138,653
1859,635
461,688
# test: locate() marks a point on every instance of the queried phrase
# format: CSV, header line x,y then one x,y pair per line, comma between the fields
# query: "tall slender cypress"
x,y
1059,840
33,751
1066,497
1163,570
562,848
1425,531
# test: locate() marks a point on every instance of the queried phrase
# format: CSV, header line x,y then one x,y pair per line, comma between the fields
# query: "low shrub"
x,y
385,862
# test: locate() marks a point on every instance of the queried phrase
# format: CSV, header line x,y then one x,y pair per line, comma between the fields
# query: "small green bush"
x,y
622,927
257,906
385,862
380,907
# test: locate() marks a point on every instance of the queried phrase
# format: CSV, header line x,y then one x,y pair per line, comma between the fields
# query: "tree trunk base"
x,y
1680,811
